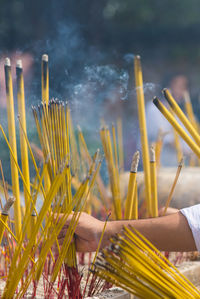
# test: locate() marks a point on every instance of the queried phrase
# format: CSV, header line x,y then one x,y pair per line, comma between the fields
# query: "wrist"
x,y
107,234
112,228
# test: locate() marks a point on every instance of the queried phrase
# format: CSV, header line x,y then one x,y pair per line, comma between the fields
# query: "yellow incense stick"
x,y
45,79
175,107
120,145
69,234
4,215
33,223
101,187
189,110
173,186
158,147
177,145
130,203
12,140
134,264
5,189
85,191
17,166
74,148
135,200
143,131
115,147
176,126
153,182
45,99
51,120
13,282
23,145
113,171
100,240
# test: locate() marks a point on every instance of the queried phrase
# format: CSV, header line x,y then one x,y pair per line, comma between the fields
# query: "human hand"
x,y
87,233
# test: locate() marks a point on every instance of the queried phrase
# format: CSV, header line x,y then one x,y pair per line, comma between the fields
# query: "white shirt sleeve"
x,y
192,215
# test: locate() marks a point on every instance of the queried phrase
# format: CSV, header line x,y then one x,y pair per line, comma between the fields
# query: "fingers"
x,y
61,238
60,243
87,230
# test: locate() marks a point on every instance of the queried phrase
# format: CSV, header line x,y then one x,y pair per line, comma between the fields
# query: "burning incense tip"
x,y
137,56
152,154
45,57
8,205
156,101
7,61
19,64
33,214
135,162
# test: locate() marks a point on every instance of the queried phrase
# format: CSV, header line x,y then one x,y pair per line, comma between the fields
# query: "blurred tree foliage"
x,y
155,22
106,23
163,14
77,31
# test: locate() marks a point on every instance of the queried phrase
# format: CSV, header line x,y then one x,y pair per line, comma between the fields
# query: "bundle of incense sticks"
x,y
111,155
143,132
86,160
151,160
46,229
35,232
111,147
193,142
134,264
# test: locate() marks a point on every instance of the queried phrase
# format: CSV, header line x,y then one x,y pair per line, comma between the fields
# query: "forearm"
x,y
168,233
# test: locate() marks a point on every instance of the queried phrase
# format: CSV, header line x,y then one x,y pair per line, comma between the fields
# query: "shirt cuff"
x,y
192,215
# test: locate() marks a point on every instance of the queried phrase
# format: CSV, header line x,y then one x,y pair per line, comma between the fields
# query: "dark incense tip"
x,y
156,101
167,97
164,90
108,216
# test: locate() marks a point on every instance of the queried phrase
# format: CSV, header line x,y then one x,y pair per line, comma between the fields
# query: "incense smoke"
x,y
80,74
95,89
